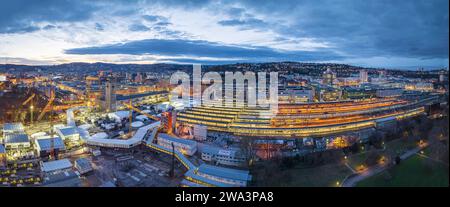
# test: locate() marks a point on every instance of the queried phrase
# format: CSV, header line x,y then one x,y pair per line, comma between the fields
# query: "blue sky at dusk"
x,y
373,33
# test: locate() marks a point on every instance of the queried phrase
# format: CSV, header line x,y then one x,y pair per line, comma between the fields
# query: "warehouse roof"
x,y
55,165
44,144
68,131
16,138
14,127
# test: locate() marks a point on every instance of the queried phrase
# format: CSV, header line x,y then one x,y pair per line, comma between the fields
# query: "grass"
x,y
400,146
321,176
357,160
415,171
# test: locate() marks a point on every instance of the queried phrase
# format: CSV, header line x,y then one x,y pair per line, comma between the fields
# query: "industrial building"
x,y
43,145
16,141
83,165
186,147
67,178
55,166
69,133
12,128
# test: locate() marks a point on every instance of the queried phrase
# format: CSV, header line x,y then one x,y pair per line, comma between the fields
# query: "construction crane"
x,y
131,107
19,109
49,104
52,136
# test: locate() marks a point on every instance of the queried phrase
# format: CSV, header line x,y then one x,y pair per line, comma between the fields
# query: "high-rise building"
x,y
363,76
110,96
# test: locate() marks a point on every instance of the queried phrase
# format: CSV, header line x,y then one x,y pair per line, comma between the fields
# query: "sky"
x,y
373,33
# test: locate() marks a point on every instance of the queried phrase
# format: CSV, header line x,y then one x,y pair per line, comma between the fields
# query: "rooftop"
x,y
2,149
45,143
63,179
243,175
83,163
55,165
175,139
15,127
16,138
67,131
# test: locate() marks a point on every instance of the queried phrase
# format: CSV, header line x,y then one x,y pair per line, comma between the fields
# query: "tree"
x,y
376,139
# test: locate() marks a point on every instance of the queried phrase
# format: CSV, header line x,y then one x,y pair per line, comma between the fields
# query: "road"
x,y
356,177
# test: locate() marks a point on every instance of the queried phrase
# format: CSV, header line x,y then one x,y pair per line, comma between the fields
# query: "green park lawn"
x,y
320,176
412,172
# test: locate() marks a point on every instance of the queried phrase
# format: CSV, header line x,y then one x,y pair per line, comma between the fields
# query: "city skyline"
x,y
377,34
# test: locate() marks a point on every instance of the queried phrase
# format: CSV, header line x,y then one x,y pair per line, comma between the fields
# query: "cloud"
x,y
20,16
138,28
414,31
249,23
204,49
99,27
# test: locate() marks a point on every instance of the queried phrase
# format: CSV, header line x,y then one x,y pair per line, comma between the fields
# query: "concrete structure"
x,y
186,147
110,96
137,138
83,165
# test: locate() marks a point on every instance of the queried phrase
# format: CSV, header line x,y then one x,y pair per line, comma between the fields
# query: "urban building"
x,y
62,179
110,96
83,166
16,140
68,133
328,77
186,147
216,155
43,145
55,166
363,76
389,92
